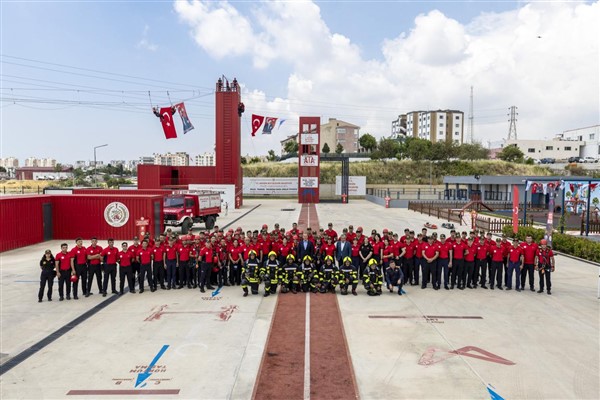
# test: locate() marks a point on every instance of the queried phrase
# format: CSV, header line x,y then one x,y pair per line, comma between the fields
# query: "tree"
x,y
325,149
387,148
290,147
511,153
418,149
244,161
271,156
58,167
441,151
472,151
2,169
367,142
339,149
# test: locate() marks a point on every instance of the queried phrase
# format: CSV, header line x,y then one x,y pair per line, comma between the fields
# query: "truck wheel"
x,y
210,222
186,226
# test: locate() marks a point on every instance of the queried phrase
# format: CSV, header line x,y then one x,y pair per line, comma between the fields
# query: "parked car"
x,y
589,160
574,159
547,160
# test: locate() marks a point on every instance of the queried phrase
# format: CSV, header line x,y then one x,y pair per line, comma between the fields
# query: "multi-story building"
x,y
9,162
47,162
590,136
291,138
80,164
31,162
336,132
116,163
558,149
179,159
132,164
205,160
145,160
435,126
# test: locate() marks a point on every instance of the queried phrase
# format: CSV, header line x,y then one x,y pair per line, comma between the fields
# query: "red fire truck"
x,y
186,208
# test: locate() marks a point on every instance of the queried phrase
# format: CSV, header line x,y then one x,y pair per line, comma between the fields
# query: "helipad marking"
x,y
428,358
122,392
224,315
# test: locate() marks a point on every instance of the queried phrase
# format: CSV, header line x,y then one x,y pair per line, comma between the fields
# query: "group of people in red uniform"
x,y
298,260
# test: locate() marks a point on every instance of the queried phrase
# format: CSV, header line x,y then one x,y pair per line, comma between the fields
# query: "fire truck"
x,y
186,208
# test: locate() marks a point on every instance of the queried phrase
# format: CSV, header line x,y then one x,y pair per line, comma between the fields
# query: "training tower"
x,y
309,152
228,170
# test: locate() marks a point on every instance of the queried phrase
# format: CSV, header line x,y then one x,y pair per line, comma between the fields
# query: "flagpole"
x,y
589,200
525,204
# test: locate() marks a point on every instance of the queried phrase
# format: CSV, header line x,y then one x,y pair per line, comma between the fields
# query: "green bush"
x,y
572,245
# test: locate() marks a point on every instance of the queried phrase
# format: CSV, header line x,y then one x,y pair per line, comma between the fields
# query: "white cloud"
x,y
552,79
144,42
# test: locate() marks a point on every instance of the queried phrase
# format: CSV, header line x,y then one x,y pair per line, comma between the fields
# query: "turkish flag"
x,y
257,121
515,216
166,118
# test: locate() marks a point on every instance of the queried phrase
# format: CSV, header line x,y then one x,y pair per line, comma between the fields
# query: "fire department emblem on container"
x,y
116,214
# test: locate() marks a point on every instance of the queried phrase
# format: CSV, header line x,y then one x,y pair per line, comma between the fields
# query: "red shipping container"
x,y
23,221
105,216
124,192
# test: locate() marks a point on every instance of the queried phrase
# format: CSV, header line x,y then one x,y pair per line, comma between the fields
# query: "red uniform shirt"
x,y
110,255
134,248
92,251
235,252
515,253
471,252
444,249
158,252
350,236
458,250
390,249
184,252
125,258
145,256
429,250
410,250
79,254
482,251
529,252
355,250
544,256
171,252
64,260
207,254
328,249
497,253
377,247
284,250
331,233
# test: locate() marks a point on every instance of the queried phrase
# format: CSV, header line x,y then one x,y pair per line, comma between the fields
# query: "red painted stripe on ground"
x,y
424,316
331,372
123,392
281,373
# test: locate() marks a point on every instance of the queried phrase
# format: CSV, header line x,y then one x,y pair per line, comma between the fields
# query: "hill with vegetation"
x,y
400,172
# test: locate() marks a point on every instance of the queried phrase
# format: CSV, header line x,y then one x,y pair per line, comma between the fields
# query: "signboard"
x,y
309,138
309,161
282,186
227,193
309,182
357,185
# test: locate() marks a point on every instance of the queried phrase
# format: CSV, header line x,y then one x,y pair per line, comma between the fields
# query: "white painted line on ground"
x,y
307,350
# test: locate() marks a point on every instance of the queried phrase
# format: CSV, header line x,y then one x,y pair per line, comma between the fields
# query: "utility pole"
x,y
471,132
512,129
95,162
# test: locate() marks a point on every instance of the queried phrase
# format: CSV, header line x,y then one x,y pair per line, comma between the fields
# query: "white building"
x,y
80,164
590,136
144,160
116,163
9,162
558,149
205,160
435,126
31,162
47,162
179,159
132,164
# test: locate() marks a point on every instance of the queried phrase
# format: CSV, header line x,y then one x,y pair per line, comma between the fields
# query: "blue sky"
x,y
363,62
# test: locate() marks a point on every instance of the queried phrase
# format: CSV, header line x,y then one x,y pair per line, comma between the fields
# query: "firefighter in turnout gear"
x,y
289,278
328,276
270,274
348,276
250,274
372,279
309,277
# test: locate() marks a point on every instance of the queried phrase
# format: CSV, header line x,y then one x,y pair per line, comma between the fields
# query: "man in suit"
x,y
343,249
305,247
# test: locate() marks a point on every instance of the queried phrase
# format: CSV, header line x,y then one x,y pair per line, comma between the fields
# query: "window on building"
x,y
455,133
567,148
441,124
441,117
456,125
457,117
592,136
531,150
549,148
341,130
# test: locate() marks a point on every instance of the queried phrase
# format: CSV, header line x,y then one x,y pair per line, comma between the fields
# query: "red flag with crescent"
x,y
515,216
166,119
257,121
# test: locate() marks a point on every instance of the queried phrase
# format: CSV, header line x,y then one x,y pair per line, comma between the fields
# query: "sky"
x,y
75,75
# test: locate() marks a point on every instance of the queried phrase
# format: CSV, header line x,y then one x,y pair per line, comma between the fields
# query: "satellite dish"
x,y
477,177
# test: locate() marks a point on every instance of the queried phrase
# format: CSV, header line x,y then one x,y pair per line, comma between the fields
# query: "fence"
x,y
496,225
408,193
451,215
460,204
594,227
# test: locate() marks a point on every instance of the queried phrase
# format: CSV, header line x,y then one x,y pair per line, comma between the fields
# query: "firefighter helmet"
x,y
290,257
272,253
328,258
347,259
372,261
309,258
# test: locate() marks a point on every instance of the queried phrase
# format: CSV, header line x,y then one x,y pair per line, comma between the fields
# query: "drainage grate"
x,y
288,209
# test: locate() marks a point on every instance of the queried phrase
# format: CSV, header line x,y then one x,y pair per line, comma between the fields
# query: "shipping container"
x,y
26,220
105,216
124,192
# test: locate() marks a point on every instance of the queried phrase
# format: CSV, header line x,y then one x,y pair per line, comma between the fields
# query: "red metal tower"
x,y
309,152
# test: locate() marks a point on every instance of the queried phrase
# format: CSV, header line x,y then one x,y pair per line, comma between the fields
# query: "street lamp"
x,y
96,147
